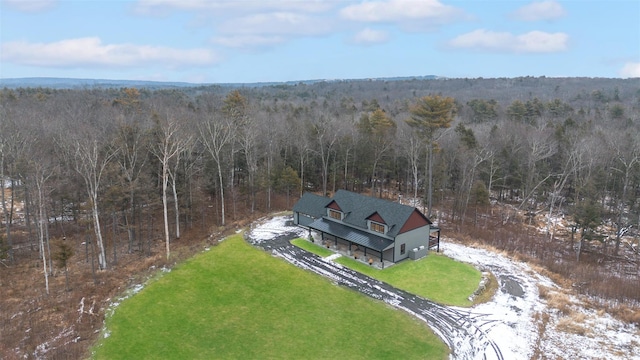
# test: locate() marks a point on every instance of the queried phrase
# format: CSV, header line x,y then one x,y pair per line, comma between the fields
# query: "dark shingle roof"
x,y
312,204
358,208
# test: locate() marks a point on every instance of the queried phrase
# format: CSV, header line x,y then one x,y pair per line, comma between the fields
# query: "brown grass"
x,y
542,321
625,313
597,274
560,302
574,324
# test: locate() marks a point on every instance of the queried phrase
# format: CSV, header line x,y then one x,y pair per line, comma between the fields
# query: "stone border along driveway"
x,y
463,331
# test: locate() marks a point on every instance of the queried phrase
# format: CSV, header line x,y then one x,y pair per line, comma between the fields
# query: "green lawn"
x,y
237,302
312,248
434,277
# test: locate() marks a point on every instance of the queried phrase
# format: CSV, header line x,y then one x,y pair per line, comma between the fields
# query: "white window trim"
x,y
329,211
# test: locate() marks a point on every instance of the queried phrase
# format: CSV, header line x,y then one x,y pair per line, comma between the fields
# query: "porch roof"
x,y
356,236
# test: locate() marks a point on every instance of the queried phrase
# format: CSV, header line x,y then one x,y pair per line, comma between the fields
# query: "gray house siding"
x,y
412,239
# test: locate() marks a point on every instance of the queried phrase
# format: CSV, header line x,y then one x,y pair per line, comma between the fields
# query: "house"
x,y
382,229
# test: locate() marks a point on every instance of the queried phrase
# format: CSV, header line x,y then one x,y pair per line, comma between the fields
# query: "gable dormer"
x,y
415,220
334,211
376,223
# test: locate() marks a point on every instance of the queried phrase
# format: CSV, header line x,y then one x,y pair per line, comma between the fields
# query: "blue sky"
x,y
241,41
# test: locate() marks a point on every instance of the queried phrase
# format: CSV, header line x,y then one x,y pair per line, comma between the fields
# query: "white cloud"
x,y
90,52
167,6
630,70
531,42
283,23
541,42
248,41
243,24
539,10
369,37
30,5
400,10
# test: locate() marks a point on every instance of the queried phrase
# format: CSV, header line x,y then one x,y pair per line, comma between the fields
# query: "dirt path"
x,y
463,331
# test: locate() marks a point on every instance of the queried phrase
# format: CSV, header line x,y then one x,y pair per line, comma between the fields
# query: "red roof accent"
x,y
415,220
377,218
334,205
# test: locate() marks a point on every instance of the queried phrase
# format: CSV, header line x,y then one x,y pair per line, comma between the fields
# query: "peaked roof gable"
x,y
377,218
415,220
334,205
358,208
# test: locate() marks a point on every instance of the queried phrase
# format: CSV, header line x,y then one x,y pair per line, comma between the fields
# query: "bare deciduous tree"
x,y
131,142
325,131
216,133
412,147
170,142
83,142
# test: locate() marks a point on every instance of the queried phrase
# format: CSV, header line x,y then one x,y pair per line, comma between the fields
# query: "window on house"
x,y
403,247
377,227
335,214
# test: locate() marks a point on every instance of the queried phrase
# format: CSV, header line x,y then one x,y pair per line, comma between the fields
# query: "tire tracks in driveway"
x,y
464,332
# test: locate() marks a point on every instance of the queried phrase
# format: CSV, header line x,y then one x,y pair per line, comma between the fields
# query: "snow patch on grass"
x,y
268,228
525,323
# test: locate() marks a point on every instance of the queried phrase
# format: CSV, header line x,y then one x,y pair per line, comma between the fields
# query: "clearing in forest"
x,y
236,301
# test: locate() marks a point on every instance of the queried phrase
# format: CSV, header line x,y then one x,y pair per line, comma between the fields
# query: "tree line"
x,y
99,158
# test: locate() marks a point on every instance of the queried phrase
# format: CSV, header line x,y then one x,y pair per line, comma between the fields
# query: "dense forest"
x,y
492,160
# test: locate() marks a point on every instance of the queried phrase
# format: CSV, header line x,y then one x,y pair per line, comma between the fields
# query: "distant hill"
x,y
70,83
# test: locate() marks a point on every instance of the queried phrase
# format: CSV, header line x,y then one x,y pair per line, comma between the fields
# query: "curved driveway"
x,y
463,331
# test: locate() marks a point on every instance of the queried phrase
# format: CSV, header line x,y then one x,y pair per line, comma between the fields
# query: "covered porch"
x,y
434,238
362,246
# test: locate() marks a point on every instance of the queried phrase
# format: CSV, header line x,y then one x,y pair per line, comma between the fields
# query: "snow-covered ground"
x,y
528,323
267,229
513,306
523,316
